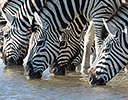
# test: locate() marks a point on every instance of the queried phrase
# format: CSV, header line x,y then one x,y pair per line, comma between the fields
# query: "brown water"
x,y
73,86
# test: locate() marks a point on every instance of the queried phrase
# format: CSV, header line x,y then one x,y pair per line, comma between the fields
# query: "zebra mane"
x,y
33,20
8,9
104,32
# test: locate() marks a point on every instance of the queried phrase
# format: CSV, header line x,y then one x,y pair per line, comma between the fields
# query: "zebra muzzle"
x,y
96,81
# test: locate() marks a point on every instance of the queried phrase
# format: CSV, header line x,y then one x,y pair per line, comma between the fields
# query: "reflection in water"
x,y
14,86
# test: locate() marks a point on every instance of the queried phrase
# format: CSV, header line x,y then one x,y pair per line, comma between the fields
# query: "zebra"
x,y
70,47
92,10
52,20
6,10
114,50
10,7
55,47
16,37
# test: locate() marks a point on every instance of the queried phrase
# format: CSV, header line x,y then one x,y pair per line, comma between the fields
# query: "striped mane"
x,y
33,20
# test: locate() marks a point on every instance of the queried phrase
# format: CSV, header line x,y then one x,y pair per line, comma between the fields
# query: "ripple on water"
x,y
73,86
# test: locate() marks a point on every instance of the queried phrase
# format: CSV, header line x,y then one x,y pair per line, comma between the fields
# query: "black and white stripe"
x,y
16,37
64,48
114,50
58,14
11,8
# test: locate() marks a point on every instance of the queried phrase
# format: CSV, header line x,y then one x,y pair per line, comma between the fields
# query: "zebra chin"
x,y
96,81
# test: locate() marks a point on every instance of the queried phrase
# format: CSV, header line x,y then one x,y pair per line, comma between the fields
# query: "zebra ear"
x,y
38,19
8,17
106,26
41,22
109,28
3,22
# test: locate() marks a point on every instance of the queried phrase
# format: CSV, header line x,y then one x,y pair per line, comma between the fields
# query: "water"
x,y
14,86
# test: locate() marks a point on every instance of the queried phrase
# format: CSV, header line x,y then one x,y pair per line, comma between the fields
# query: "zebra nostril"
x,y
96,81
100,81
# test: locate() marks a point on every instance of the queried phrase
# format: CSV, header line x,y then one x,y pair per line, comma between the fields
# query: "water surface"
x,y
72,86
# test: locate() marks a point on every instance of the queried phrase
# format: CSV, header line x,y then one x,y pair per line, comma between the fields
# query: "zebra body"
x,y
57,15
114,50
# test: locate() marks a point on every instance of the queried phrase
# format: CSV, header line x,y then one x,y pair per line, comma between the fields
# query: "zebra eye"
x,y
62,43
105,50
6,35
39,43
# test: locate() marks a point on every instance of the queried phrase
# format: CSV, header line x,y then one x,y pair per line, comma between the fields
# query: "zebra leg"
x,y
89,39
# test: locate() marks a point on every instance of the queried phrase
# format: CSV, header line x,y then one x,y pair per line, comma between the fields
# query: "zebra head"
x,y
70,48
12,53
14,47
112,57
43,48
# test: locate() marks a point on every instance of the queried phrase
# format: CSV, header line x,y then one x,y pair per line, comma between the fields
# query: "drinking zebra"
x,y
52,22
17,38
15,56
75,61
10,7
114,50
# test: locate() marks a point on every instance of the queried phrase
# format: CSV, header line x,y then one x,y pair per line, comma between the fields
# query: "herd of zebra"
x,y
66,35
